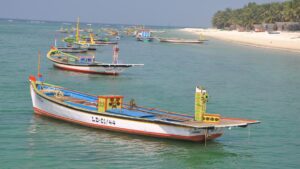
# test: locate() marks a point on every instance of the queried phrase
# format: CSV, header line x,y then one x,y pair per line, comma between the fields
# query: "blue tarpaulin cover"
x,y
130,113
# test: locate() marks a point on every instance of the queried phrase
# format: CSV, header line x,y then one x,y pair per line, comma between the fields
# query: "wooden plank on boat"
x,y
224,122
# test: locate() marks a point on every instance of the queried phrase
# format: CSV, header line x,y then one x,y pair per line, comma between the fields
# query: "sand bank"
x,y
285,40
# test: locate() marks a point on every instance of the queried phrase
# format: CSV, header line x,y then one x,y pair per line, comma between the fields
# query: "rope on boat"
x,y
166,115
160,111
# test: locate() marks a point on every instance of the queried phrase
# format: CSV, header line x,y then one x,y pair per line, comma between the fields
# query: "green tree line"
x,y
288,11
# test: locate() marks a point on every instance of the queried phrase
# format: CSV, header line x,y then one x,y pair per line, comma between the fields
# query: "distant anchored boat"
x,y
70,48
87,64
83,42
180,40
144,35
104,41
109,112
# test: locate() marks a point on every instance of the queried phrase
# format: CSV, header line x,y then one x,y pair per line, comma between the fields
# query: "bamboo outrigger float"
x,y
109,112
87,64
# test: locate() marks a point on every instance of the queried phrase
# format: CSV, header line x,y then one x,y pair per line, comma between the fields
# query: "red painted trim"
x,y
32,78
85,71
118,129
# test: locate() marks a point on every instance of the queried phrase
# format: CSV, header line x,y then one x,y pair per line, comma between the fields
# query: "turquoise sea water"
x,y
242,81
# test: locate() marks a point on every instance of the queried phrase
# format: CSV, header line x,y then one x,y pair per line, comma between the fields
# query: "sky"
x,y
185,13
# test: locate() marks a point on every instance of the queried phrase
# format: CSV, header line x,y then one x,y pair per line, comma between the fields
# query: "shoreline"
x,y
286,41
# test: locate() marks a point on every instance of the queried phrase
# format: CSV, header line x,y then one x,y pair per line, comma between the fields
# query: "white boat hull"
x,y
91,69
47,107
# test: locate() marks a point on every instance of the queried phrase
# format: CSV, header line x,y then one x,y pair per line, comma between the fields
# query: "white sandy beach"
x,y
285,40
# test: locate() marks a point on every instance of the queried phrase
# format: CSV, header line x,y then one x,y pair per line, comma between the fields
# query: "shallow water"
x,y
242,81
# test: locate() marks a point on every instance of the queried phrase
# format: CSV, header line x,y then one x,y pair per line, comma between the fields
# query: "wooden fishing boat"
x,y
180,41
83,42
70,47
87,43
109,112
104,41
87,64
84,46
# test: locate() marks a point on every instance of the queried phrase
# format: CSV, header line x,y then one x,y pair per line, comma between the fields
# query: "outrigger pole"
x,y
77,30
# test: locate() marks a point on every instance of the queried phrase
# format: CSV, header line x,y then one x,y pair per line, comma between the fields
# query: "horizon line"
x,y
55,21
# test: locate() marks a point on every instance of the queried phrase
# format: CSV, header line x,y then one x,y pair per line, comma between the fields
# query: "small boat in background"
x,y
109,112
87,64
144,35
273,32
71,42
84,42
70,48
180,40
129,31
104,41
69,39
112,32
87,42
